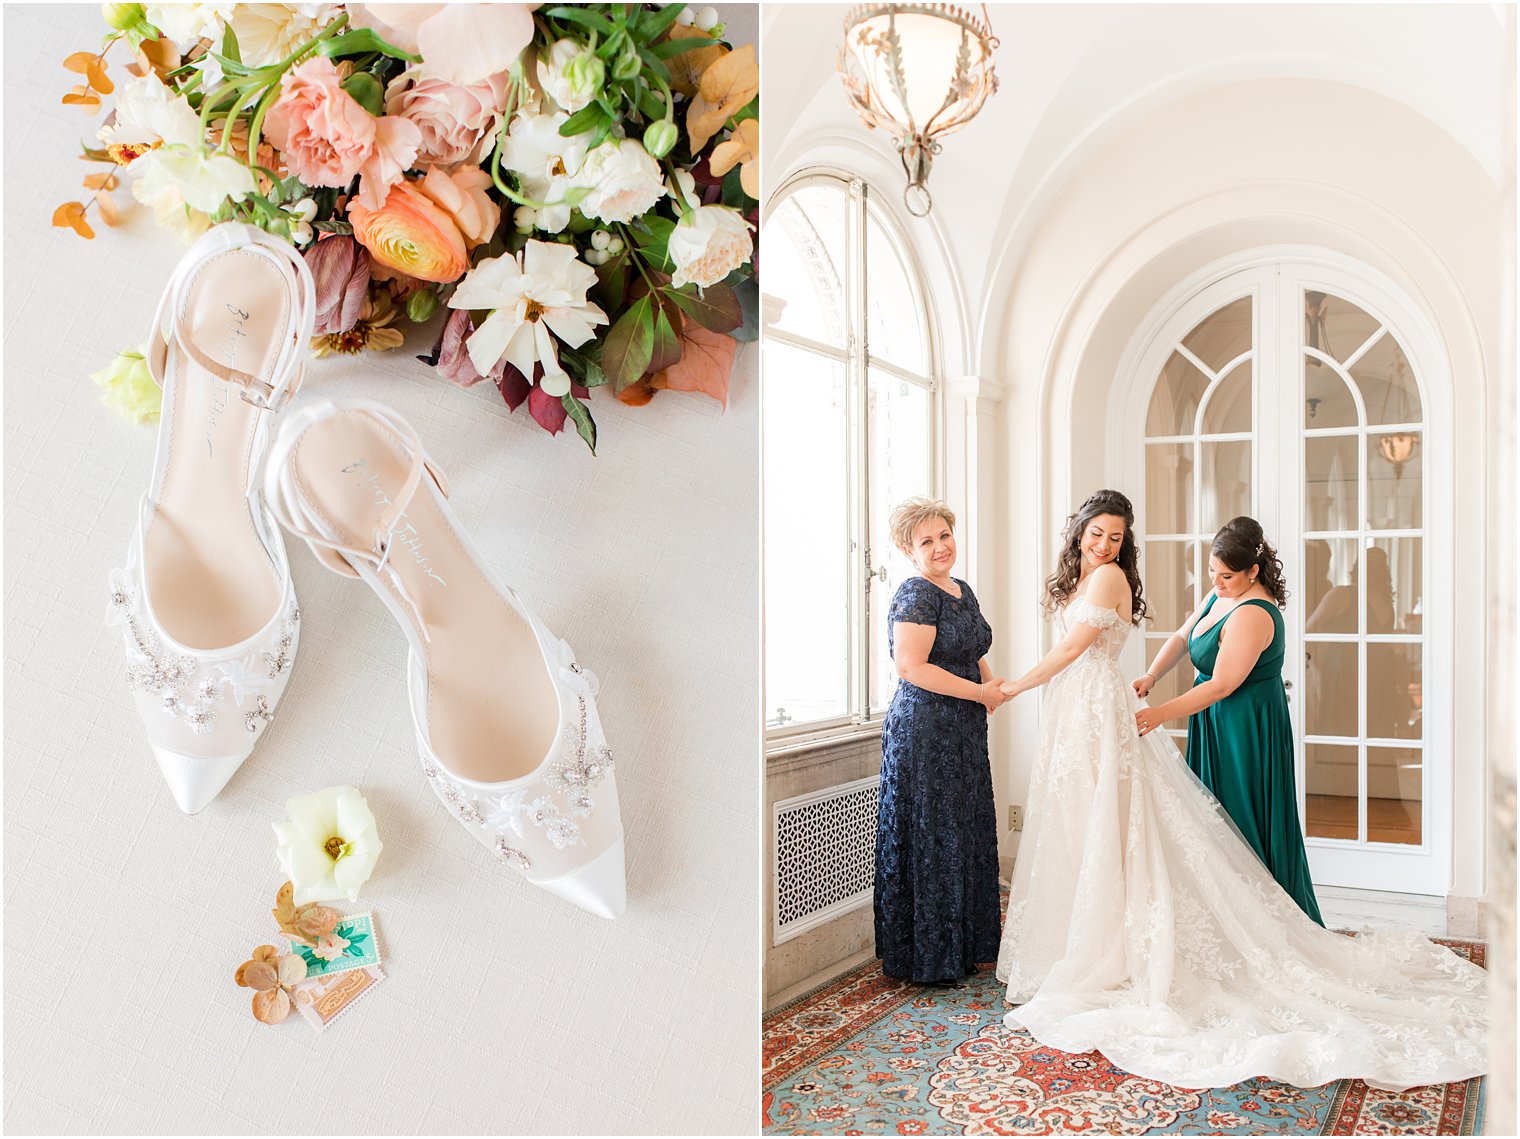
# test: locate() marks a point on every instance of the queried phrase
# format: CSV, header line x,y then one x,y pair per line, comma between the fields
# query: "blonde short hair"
x,y
909,515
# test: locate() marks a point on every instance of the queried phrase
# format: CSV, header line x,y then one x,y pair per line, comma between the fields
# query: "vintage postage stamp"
x,y
352,944
325,999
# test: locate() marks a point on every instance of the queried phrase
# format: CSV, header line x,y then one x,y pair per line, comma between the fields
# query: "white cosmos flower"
x,y
546,164
329,847
542,294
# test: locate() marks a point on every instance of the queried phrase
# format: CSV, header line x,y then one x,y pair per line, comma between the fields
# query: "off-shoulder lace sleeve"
x,y
915,602
1089,614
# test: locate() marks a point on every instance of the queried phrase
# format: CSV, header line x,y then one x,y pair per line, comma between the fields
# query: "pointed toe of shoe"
x,y
599,887
194,781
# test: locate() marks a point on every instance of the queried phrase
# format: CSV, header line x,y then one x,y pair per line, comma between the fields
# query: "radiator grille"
x,y
825,854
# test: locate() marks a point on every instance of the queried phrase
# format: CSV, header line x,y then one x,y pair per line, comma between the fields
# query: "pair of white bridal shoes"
x,y
505,717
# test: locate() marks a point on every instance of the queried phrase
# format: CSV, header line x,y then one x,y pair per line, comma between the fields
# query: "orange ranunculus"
x,y
411,234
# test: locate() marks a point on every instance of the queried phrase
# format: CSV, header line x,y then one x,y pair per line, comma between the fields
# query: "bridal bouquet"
x,y
574,186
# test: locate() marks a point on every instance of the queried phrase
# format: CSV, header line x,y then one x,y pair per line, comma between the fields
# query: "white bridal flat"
x,y
506,720
205,601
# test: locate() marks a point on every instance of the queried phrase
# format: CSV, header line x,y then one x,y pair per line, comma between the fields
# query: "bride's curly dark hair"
x,y
1060,585
1240,544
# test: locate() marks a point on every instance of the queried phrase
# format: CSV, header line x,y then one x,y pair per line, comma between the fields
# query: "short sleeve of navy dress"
x,y
936,896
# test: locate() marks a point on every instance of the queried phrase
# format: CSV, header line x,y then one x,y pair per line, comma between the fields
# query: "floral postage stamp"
x,y
351,945
323,1000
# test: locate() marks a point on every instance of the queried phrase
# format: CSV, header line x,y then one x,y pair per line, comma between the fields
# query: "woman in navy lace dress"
x,y
936,832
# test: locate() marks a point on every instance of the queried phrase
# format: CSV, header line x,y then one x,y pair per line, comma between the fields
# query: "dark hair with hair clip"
x,y
1240,544
1060,585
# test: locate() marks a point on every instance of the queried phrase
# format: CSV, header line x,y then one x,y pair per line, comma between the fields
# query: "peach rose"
x,y
324,135
457,122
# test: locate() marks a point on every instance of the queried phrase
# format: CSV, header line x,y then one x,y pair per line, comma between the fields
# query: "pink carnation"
x,y
322,132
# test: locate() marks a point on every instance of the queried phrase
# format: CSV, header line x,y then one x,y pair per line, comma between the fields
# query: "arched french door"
x,y
1300,391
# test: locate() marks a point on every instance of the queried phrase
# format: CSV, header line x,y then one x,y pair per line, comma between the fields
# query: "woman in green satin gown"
x,y
1240,737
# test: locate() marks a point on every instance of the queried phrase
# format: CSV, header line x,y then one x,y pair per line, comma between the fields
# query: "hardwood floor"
x,y
1388,820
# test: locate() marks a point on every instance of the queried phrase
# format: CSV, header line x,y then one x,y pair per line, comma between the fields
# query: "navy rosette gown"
x,y
936,830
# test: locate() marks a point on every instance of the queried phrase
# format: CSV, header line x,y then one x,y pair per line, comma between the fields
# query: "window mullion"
x,y
858,458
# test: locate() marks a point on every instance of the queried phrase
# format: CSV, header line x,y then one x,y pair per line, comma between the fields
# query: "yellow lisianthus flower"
x,y
128,389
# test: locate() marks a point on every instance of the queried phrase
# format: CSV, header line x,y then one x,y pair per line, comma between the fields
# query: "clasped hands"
x,y
997,692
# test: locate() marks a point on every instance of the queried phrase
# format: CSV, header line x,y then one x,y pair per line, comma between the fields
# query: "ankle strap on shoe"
x,y
168,321
290,507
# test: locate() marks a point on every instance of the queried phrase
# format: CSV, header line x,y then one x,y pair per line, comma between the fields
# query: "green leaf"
x,y
655,24
629,344
585,426
715,308
361,40
666,350
652,62
231,67
650,105
230,46
672,48
612,282
748,292
733,190
589,117
366,91
581,16
652,236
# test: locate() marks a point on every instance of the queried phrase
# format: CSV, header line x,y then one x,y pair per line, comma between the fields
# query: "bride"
x,y
1142,925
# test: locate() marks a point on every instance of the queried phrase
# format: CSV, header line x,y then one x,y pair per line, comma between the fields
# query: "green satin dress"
x,y
1241,748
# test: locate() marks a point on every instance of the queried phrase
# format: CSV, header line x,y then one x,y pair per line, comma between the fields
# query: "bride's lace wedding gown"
x,y
1140,924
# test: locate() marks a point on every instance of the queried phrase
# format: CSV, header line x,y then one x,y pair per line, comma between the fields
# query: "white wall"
x,y
1132,144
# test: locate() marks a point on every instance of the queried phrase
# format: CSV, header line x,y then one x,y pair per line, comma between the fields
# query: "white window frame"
x,y
856,360
1426,868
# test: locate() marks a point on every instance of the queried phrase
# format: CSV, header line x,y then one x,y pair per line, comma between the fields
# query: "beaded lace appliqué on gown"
x,y
1142,925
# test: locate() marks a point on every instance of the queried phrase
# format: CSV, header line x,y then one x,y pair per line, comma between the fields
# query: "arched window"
x,y
847,419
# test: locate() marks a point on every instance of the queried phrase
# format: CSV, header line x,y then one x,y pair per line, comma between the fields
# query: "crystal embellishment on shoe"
x,y
506,723
206,600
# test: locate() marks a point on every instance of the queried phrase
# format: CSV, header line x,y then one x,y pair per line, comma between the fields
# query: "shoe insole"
x,y
211,581
492,708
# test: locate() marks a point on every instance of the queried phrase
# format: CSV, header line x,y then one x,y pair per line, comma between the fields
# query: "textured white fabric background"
x,y
504,1009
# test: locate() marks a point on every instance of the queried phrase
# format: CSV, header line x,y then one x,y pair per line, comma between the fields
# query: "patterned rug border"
x,y
880,997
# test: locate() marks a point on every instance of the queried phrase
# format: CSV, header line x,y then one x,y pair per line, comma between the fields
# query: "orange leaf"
x,y
108,211
741,146
749,179
88,101
686,69
637,394
98,79
105,180
707,359
71,214
80,61
727,86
